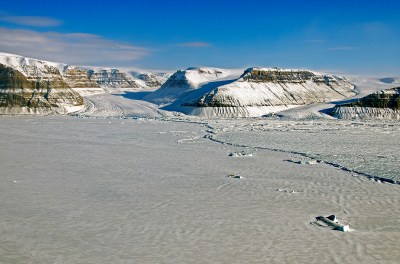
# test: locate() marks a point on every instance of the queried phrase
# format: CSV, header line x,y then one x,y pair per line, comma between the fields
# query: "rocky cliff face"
x,y
261,91
76,77
86,77
112,78
259,75
82,77
152,80
22,95
384,104
30,86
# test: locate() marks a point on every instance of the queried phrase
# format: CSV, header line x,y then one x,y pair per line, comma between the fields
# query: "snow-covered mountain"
x,y
257,92
36,86
184,81
384,104
82,76
31,86
120,78
151,79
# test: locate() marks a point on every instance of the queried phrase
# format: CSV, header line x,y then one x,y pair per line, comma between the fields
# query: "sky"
x,y
357,37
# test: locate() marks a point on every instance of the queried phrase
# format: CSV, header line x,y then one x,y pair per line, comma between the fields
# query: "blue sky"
x,y
361,37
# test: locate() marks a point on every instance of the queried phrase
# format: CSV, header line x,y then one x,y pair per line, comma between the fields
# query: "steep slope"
x,y
112,78
383,104
31,86
262,91
92,77
78,78
183,81
150,79
82,77
20,94
35,69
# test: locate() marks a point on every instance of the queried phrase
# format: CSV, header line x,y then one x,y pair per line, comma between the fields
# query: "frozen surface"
x,y
370,84
145,191
117,105
371,148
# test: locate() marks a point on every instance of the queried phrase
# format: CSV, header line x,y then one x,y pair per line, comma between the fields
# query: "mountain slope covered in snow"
x,y
184,81
384,104
34,87
31,86
257,92
83,76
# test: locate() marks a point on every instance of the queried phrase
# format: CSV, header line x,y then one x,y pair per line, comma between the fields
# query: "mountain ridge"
x,y
256,92
32,86
83,76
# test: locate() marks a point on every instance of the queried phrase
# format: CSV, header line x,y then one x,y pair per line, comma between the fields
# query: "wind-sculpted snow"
x,y
257,92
